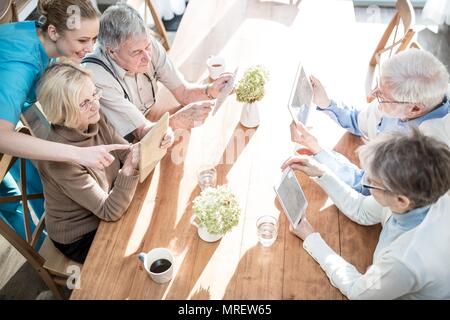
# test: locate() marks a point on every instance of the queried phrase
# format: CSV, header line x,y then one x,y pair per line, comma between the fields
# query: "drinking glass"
x,y
207,177
267,230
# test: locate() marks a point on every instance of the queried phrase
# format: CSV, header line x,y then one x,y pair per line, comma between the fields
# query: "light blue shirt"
x,y
397,224
347,117
23,61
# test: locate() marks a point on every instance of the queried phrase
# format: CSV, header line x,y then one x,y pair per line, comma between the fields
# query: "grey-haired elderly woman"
x,y
127,65
409,178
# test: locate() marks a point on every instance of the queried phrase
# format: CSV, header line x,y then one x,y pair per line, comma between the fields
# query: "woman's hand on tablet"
x,y
303,229
168,139
131,161
305,164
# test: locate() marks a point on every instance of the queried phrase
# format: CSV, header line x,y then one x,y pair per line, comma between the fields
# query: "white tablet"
x,y
291,197
301,96
149,151
226,90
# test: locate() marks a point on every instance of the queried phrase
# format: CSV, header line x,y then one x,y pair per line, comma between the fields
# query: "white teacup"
x,y
159,264
216,66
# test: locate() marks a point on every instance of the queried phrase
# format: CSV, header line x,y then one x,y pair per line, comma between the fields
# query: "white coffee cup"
x,y
216,66
159,264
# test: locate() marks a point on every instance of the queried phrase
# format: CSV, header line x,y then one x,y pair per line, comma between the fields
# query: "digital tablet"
x,y
226,90
301,96
291,197
150,152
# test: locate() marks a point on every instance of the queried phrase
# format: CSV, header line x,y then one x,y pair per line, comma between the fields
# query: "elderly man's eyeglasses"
x,y
377,94
366,184
87,104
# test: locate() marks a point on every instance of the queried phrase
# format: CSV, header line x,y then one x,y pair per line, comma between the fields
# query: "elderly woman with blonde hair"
x,y
77,197
409,178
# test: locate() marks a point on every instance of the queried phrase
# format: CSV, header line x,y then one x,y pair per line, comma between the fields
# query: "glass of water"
x,y
267,230
207,177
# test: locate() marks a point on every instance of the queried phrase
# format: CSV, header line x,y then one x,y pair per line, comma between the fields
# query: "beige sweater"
x,y
76,197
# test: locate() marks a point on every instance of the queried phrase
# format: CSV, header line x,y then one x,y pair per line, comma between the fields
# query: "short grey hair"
x,y
409,164
416,76
119,23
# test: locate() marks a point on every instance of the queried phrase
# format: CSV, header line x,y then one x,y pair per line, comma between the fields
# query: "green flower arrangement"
x,y
217,210
251,87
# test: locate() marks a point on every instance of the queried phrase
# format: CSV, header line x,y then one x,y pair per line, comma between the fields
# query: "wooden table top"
x,y
276,35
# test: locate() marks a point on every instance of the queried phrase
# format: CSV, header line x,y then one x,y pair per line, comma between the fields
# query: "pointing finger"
x,y
112,147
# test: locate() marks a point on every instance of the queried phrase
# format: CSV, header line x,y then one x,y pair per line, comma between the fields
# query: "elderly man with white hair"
x,y
127,64
411,92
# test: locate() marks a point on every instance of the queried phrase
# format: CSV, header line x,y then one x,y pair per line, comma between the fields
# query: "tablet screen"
x,y
291,197
301,96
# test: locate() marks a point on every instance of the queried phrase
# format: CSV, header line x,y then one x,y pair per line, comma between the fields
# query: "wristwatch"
x,y
207,93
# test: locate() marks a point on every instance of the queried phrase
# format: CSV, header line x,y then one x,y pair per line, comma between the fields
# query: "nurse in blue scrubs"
x,y
66,28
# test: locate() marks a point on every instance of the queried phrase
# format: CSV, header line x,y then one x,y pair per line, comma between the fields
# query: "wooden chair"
x,y
160,33
37,122
48,261
415,45
392,42
8,11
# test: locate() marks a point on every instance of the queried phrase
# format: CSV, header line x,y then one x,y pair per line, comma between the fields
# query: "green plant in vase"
x,y
216,211
250,90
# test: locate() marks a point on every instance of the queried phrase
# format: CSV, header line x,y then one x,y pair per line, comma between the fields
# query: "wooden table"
x,y
276,35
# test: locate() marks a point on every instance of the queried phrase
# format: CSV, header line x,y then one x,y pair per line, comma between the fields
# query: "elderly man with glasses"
x,y
412,91
127,64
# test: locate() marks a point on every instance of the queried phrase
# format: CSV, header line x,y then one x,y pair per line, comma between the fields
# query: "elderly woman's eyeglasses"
x,y
366,184
87,104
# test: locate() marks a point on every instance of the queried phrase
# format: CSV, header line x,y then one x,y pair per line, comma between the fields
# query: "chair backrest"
x,y
415,45
46,259
160,33
393,39
397,37
8,11
37,122
6,162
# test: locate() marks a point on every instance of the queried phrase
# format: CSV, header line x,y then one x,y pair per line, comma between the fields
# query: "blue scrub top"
x,y
23,61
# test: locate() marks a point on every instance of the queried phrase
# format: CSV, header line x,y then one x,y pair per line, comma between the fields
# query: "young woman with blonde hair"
x,y
66,28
